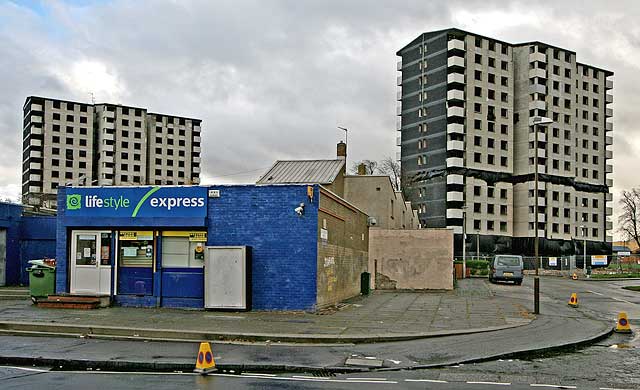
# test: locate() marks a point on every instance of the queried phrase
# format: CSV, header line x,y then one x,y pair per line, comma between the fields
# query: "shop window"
x,y
86,250
183,249
105,248
136,249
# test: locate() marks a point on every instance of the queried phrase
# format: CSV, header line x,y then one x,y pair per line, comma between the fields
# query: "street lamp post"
x,y
584,252
464,241
538,120
346,134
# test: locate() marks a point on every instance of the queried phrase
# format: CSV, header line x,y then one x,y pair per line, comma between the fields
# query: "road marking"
x,y
257,373
622,300
554,386
366,379
425,380
612,388
26,369
307,377
490,383
593,292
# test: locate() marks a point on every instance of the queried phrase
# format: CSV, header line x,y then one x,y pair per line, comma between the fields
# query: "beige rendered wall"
x,y
411,259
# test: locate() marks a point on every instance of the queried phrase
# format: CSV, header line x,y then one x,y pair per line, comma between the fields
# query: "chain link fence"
x,y
566,263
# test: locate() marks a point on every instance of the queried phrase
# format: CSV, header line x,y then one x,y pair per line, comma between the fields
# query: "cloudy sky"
x,y
272,79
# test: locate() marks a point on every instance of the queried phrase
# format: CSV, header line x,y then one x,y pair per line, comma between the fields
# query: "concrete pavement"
x,y
382,316
557,328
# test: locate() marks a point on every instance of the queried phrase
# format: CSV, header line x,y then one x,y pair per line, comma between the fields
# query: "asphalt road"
x,y
28,378
611,364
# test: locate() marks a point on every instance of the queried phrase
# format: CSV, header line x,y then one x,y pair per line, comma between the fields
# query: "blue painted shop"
x,y
237,246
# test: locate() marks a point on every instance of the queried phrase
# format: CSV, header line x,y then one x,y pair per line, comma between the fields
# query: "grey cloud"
x,y
273,79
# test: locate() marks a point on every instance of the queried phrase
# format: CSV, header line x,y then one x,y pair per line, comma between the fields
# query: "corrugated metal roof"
x,y
302,172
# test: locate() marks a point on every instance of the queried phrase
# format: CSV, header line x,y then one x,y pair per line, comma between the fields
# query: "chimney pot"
x,y
342,150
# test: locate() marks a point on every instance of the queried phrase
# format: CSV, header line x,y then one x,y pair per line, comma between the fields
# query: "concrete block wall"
x,y
283,244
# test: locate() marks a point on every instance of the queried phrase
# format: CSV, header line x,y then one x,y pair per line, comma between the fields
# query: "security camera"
x,y
300,209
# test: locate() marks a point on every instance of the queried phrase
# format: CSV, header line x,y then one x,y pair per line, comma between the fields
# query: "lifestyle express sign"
x,y
132,202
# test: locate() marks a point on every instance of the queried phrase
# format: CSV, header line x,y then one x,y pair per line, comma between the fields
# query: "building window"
x,y
477,190
477,157
476,224
489,225
503,161
503,209
477,208
503,226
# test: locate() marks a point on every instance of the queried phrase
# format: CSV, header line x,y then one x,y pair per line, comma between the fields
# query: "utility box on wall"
x,y
227,278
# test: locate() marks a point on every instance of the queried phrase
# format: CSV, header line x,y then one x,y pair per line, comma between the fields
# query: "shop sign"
x,y
553,261
599,260
132,202
198,236
132,235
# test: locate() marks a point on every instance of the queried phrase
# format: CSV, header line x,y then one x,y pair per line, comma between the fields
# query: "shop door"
x,y
3,257
91,263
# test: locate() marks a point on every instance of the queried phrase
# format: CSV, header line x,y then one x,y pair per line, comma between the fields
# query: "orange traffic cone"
x,y
573,301
574,276
622,326
204,361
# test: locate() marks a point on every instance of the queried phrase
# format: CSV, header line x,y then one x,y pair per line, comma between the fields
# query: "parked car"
x,y
506,268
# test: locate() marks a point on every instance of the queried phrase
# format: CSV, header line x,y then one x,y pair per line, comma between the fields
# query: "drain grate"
x,y
324,374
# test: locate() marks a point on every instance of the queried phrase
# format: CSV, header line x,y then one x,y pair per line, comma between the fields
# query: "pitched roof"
x,y
302,172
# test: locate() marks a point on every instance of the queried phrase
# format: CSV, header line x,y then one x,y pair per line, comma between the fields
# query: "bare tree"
x,y
630,216
369,167
390,167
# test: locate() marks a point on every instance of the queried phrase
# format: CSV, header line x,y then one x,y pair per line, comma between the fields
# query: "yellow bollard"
x,y
573,301
622,326
204,361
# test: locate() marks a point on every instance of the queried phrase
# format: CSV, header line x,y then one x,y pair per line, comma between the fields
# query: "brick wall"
x,y
283,244
10,221
37,240
343,256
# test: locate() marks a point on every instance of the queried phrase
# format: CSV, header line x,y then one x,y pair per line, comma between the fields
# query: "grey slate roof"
x,y
302,172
